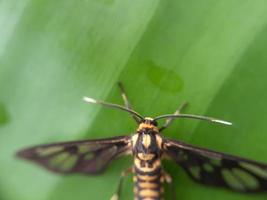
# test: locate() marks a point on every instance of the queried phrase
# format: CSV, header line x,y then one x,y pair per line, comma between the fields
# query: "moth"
x,y
148,148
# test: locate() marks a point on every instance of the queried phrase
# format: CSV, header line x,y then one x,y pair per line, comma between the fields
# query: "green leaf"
x,y
52,53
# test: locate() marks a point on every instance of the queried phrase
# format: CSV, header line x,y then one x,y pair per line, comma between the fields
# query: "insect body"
x,y
148,147
147,152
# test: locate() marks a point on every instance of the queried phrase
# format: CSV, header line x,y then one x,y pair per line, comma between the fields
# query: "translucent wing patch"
x,y
218,169
87,157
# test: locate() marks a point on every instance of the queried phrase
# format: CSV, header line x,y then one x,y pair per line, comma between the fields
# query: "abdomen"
x,y
148,180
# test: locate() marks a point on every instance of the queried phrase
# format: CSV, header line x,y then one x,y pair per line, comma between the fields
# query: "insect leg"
x,y
168,180
117,194
169,120
126,101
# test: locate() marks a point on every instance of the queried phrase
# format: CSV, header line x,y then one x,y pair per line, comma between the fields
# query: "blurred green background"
x,y
52,53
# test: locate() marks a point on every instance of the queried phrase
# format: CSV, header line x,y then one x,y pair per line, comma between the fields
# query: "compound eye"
x,y
142,121
155,123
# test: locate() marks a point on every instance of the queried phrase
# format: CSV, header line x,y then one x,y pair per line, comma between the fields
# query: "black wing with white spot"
x,y
218,169
87,157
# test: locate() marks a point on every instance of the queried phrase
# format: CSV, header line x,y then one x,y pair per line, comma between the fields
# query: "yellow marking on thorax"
x,y
134,139
146,156
146,140
159,141
148,126
156,164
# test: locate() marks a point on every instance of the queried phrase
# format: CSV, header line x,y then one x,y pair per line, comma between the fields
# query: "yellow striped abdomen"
x,y
148,180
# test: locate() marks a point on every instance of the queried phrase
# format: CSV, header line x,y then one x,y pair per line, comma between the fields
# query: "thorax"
x,y
147,145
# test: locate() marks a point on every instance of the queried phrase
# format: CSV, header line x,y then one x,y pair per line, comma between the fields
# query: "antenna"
x,y
214,120
111,105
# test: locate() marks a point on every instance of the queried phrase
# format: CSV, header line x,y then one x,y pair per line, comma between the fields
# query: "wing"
x,y
87,157
218,169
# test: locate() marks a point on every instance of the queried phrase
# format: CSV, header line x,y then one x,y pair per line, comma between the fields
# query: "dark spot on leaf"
x,y
166,79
